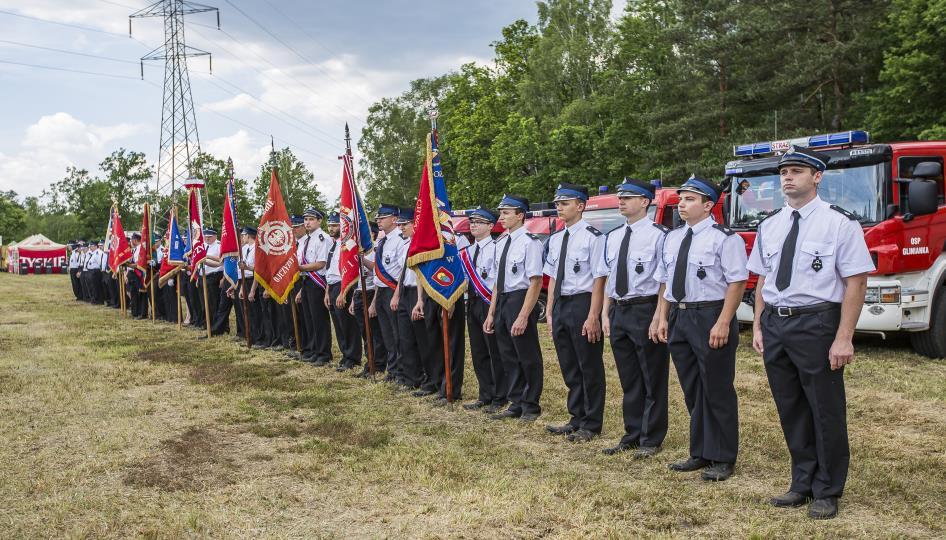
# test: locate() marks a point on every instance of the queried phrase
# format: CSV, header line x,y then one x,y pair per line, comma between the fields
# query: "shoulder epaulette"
x,y
843,212
726,230
663,228
593,230
532,236
770,214
321,237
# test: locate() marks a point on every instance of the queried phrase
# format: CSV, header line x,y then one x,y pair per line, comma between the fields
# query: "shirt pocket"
x,y
815,257
704,260
770,258
579,260
516,263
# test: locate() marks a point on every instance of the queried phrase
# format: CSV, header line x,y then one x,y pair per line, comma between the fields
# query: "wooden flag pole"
x,y
242,295
207,314
151,289
121,291
369,343
295,323
177,285
445,322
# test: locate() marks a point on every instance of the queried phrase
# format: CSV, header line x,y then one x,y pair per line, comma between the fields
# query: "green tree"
x,y
12,217
297,183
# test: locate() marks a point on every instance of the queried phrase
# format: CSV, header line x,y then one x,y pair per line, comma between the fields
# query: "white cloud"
x,y
248,155
55,142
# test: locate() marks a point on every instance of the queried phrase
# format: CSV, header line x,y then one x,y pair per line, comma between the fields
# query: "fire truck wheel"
x,y
932,343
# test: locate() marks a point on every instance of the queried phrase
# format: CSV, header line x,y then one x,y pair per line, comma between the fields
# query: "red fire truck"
x,y
896,192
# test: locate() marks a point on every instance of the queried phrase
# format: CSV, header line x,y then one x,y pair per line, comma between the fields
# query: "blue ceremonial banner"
x,y
176,245
433,252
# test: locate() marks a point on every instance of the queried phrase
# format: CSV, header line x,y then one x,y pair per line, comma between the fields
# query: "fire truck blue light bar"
x,y
815,141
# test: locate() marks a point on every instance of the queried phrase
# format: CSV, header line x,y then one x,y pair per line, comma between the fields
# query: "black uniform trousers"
x,y
74,280
380,354
487,364
170,299
271,314
388,322
254,308
318,343
213,295
220,324
239,305
582,363
133,290
94,285
346,328
809,397
644,370
521,354
195,303
289,324
412,341
84,285
706,376
110,289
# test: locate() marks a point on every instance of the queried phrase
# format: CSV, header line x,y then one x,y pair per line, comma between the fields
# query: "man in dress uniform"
x,y
812,263
631,255
252,303
74,258
387,270
212,271
110,276
317,345
346,328
139,309
511,315
478,261
412,335
356,309
704,269
93,272
574,313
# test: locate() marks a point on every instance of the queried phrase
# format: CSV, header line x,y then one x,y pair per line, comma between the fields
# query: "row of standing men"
x,y
655,293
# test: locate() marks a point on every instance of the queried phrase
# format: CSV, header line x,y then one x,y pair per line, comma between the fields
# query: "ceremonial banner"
x,y
229,238
144,248
195,234
174,251
433,252
276,267
352,218
119,252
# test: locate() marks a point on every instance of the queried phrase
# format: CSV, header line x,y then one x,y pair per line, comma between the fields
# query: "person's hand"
x,y
326,301
757,339
606,326
488,325
592,330
299,297
394,302
252,296
719,335
417,313
351,309
548,322
372,311
266,294
241,294
661,332
519,326
340,302
841,353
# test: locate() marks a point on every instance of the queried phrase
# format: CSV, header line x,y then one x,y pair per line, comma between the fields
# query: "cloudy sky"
x,y
295,69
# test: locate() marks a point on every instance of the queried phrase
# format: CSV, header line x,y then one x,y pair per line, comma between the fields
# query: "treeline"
x,y
77,206
663,92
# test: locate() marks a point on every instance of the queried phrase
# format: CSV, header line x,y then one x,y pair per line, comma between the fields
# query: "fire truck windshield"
x,y
856,189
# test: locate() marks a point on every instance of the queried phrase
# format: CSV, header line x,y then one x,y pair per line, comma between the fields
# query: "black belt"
x,y
637,300
784,311
699,305
576,295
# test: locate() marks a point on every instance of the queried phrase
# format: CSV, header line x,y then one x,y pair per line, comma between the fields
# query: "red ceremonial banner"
x,y
144,257
198,250
276,267
119,252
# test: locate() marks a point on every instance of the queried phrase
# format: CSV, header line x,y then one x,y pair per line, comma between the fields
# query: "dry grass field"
x,y
117,428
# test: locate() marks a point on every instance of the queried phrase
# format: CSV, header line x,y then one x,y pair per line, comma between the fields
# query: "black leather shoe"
x,y
259,346
826,508
277,347
528,417
320,363
644,452
440,402
718,471
582,435
342,368
565,429
618,448
364,375
505,414
790,500
474,406
689,464
494,408
423,392
294,355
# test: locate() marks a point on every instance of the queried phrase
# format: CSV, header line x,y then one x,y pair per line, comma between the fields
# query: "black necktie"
x,y
679,289
560,273
476,255
305,248
787,261
381,248
501,278
620,285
